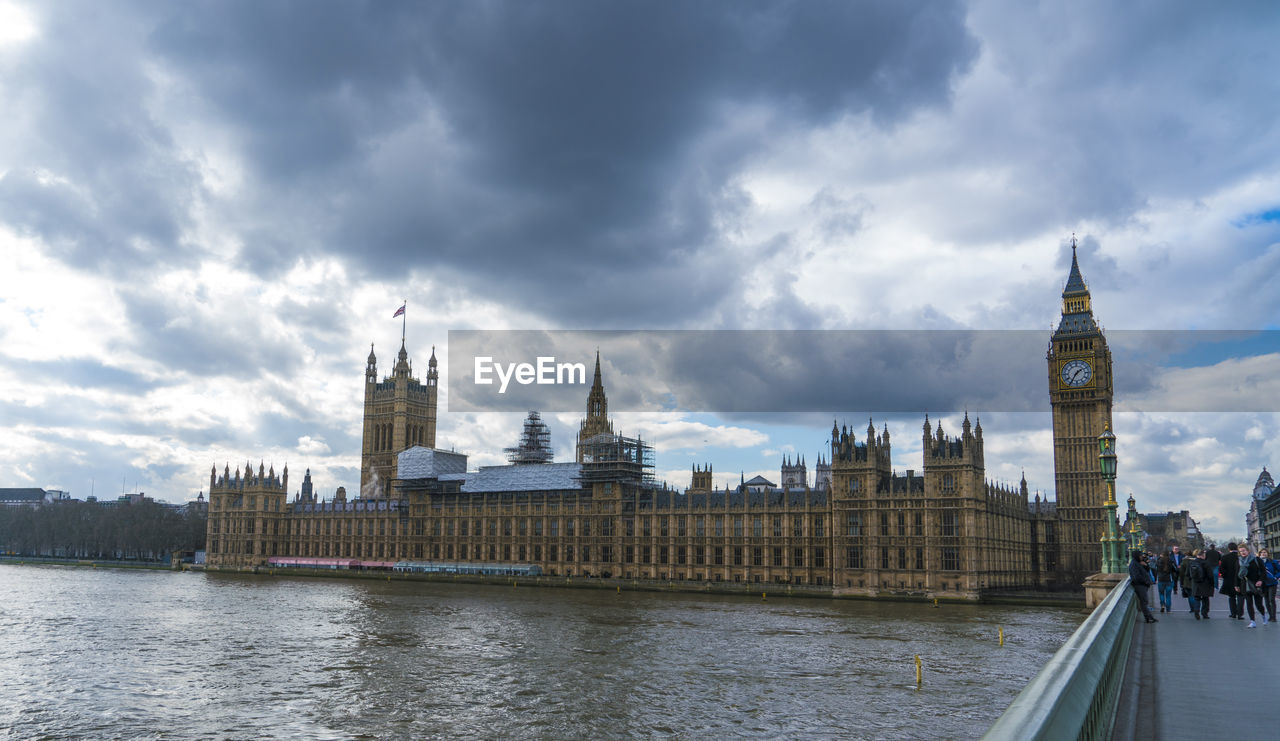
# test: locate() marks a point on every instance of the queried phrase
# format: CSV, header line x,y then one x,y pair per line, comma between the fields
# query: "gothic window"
x,y
854,524
853,557
950,559
819,525
950,523
948,483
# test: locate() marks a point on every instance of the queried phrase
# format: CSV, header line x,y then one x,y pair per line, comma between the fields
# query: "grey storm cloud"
x,y
97,176
529,148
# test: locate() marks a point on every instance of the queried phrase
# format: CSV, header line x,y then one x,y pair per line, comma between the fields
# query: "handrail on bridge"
x,y
1075,695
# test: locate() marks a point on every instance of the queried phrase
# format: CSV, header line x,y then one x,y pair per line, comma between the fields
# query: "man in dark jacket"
x,y
1178,559
1227,569
1212,559
1140,578
1196,579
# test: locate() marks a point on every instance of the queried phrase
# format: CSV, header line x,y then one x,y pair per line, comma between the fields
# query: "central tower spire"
x,y
597,419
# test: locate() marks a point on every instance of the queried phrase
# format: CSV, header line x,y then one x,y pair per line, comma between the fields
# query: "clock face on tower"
x,y
1076,373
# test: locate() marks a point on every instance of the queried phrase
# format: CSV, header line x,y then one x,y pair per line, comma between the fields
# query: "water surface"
x,y
155,654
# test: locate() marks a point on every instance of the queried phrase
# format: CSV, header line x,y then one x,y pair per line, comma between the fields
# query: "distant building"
x,y
1264,510
1163,531
861,528
1262,489
22,497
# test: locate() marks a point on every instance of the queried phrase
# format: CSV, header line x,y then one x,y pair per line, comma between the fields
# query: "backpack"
x,y
1197,572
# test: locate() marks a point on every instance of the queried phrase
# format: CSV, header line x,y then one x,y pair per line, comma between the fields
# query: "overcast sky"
x,y
208,211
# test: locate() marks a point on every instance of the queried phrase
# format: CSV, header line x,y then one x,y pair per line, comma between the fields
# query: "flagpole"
x,y
404,319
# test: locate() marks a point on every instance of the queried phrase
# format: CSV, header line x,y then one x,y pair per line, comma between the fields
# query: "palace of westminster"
x,y
860,529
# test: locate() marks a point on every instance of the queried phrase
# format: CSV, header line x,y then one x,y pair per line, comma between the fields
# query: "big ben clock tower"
x,y
1080,393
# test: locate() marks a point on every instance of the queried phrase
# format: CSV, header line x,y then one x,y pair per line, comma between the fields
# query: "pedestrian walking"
x,y
1213,559
1249,583
1140,578
1199,582
1271,577
1166,573
1227,572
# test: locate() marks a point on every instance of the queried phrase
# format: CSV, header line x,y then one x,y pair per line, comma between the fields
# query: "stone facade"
x,y
246,514
1080,395
399,413
859,528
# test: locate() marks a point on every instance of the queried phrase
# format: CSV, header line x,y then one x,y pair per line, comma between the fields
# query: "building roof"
x,y
16,496
1075,281
520,477
421,462
760,481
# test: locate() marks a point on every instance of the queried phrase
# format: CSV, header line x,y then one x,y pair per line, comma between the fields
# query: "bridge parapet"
x,y
1075,695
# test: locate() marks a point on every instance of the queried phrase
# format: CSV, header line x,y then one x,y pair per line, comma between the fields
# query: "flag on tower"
x,y
399,311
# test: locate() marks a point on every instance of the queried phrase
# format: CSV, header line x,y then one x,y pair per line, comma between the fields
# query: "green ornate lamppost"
x,y
1113,560
1135,536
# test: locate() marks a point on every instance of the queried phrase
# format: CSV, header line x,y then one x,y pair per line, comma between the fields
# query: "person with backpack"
x,y
1198,583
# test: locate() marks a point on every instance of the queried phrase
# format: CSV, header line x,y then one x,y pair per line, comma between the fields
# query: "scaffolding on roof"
x,y
535,442
610,457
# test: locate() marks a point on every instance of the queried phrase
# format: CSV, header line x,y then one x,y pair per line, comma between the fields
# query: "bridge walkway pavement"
x,y
1189,678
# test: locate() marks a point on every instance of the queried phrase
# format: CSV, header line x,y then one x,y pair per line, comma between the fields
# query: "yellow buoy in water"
x,y
764,596
919,672
1001,635
935,601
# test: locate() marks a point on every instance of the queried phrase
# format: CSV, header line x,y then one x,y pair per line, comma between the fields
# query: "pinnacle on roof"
x,y
1075,282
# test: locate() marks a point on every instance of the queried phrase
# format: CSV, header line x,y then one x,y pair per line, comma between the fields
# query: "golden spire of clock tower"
x,y
1077,308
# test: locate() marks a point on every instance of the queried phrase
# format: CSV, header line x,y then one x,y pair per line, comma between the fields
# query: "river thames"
x,y
105,653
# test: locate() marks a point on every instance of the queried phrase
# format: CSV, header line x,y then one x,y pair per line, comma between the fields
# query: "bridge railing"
x,y
1074,696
